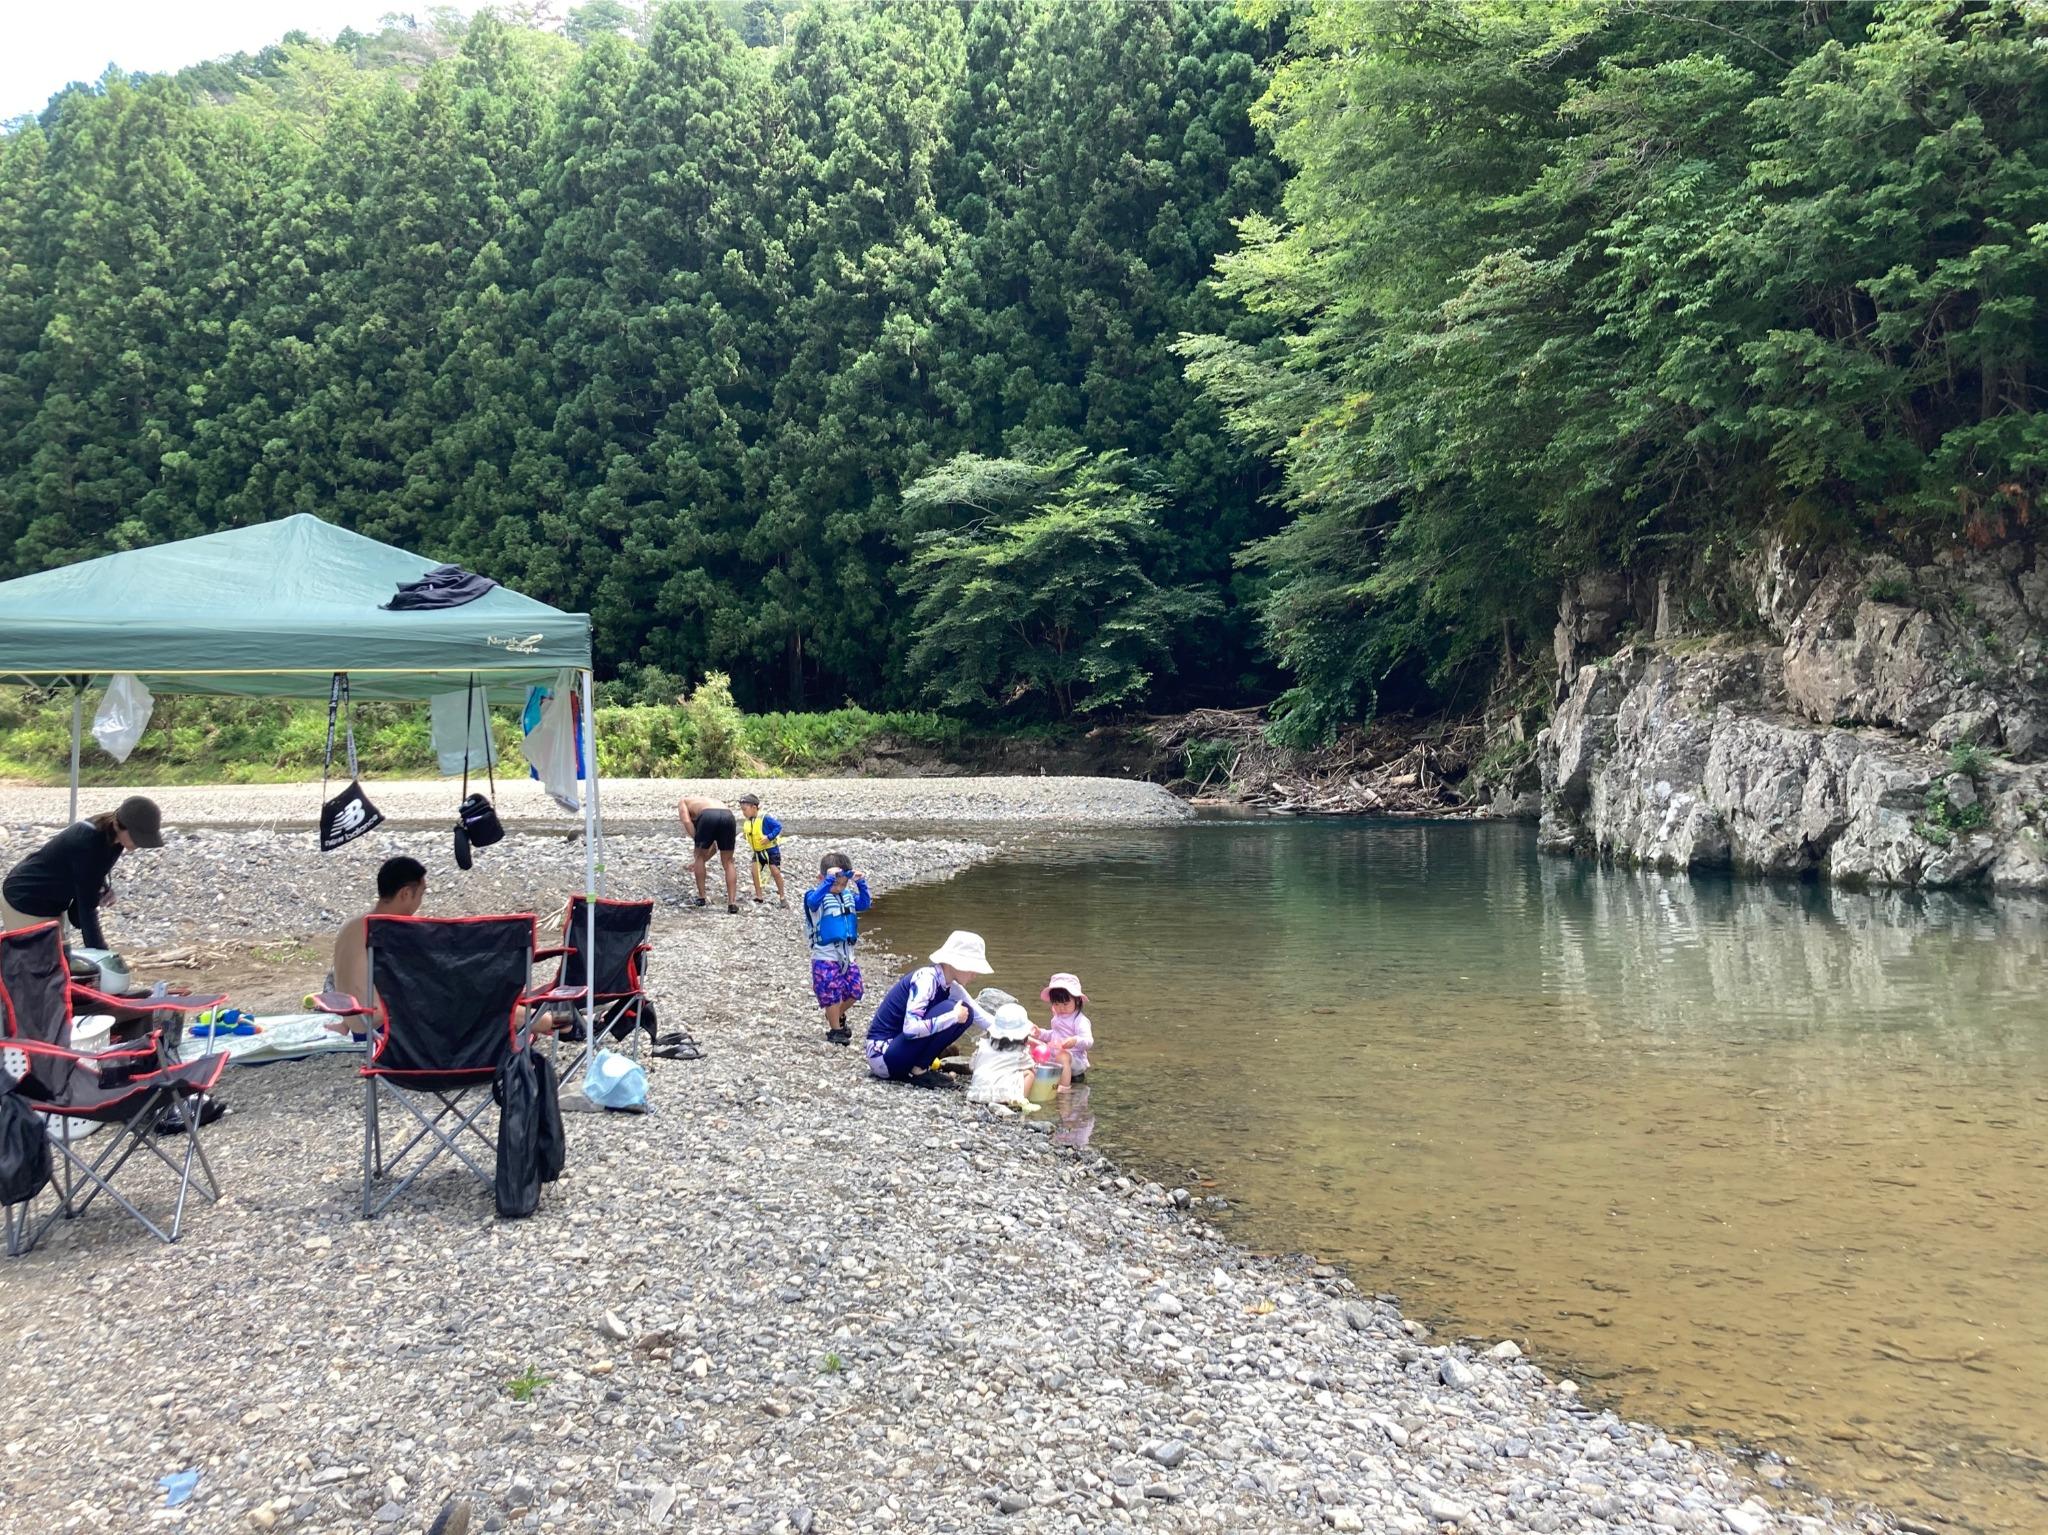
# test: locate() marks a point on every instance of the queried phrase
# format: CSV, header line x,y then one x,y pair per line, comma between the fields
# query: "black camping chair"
x,y
128,1086
620,1005
450,993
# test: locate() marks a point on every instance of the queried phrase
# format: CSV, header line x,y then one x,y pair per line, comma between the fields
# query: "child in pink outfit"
x,y
1069,1036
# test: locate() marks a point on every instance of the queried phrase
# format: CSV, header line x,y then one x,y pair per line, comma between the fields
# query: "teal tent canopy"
x,y
274,611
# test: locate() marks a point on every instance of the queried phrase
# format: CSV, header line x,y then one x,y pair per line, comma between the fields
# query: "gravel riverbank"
x,y
629,801
834,1305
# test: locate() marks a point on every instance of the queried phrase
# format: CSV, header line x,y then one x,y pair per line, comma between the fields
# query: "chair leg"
x,y
443,1141
370,1161
185,1172
129,1137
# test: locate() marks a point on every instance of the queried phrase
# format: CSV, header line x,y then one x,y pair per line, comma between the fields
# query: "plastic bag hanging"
x,y
123,715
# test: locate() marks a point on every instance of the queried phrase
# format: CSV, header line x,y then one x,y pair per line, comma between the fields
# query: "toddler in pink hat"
x,y
1069,1036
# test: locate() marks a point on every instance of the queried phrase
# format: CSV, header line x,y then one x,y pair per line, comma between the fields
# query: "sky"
x,y
47,44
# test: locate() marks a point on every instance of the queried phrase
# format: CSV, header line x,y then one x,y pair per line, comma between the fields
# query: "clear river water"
x,y
1764,1164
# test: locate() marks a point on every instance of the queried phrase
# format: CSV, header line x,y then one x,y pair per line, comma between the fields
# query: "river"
x,y
1764,1164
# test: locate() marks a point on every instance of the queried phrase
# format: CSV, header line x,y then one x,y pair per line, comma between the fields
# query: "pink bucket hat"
x,y
1065,981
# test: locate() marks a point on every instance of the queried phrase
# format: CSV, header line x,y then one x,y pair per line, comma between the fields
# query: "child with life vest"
x,y
764,838
832,911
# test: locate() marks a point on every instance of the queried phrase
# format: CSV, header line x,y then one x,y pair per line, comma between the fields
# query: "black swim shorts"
x,y
716,828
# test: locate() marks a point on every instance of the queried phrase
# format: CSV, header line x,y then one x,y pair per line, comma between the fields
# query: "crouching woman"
x,y
926,1011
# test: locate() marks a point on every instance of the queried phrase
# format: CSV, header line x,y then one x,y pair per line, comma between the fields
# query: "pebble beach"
x,y
790,1299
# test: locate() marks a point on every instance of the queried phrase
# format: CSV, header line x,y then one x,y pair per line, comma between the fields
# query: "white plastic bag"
x,y
614,1081
123,715
459,723
551,747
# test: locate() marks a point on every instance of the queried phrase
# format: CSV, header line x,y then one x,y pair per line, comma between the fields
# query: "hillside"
x,y
1036,360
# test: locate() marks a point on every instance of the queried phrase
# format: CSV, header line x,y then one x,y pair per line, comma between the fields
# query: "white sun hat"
x,y
1011,1022
965,952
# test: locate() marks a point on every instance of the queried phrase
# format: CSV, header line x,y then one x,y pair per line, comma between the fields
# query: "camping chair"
x,y
127,1086
620,1004
446,1015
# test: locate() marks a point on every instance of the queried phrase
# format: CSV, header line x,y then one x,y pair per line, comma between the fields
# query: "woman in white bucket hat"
x,y
926,1010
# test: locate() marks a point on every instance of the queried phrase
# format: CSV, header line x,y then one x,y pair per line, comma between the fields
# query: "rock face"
x,y
1881,734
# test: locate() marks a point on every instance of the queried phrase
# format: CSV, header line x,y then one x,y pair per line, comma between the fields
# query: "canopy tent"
x,y
275,611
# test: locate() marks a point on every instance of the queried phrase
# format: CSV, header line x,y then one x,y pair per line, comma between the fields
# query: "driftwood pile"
x,y
1392,767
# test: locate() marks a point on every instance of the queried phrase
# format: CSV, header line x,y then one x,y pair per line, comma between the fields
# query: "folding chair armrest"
x,y
554,994
106,1002
134,1050
554,953
341,1005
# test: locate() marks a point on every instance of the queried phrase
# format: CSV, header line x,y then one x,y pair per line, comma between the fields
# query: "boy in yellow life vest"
x,y
764,836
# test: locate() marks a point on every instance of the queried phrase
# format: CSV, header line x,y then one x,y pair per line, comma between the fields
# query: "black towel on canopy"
x,y
445,586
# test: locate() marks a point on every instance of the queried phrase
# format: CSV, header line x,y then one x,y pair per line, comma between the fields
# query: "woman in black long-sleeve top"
x,y
67,876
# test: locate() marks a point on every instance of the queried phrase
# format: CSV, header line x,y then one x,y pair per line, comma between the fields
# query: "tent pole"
x,y
591,871
596,785
77,729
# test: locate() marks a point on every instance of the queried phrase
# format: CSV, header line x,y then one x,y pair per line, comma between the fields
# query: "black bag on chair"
x,y
517,1181
349,814
476,818
24,1151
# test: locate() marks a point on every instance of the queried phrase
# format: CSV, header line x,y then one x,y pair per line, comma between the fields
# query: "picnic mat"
x,y
283,1037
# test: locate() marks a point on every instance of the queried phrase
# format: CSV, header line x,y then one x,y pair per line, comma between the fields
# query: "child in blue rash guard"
x,y
926,1010
832,922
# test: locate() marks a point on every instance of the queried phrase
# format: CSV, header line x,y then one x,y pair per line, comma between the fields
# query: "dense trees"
x,y
1034,585
1329,334
1625,283
657,316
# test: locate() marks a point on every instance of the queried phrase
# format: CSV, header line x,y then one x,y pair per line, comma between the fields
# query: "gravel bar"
x,y
791,1299
948,801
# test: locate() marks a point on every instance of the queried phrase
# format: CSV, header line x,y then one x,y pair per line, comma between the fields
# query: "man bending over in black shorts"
x,y
709,824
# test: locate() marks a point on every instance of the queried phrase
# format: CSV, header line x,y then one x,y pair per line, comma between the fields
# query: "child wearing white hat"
x,y
1002,1065
926,1011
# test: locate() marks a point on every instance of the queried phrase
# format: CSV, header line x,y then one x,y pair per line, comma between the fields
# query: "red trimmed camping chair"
x,y
448,1012
621,1003
127,1086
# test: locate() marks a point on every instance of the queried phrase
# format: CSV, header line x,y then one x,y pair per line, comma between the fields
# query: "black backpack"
x,y
24,1152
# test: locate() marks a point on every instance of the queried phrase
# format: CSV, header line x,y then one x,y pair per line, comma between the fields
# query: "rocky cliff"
x,y
1879,725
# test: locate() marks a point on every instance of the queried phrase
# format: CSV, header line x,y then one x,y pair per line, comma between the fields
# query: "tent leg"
x,y
592,867
77,730
596,787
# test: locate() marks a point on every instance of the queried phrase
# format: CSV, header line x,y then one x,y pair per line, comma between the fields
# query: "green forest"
x,y
1029,359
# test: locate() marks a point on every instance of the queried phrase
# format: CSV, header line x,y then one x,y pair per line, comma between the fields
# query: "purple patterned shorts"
x,y
834,981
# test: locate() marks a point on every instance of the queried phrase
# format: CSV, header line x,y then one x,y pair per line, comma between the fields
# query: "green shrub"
x,y
645,741
1969,759
1204,760
796,743
1942,820
268,740
715,720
